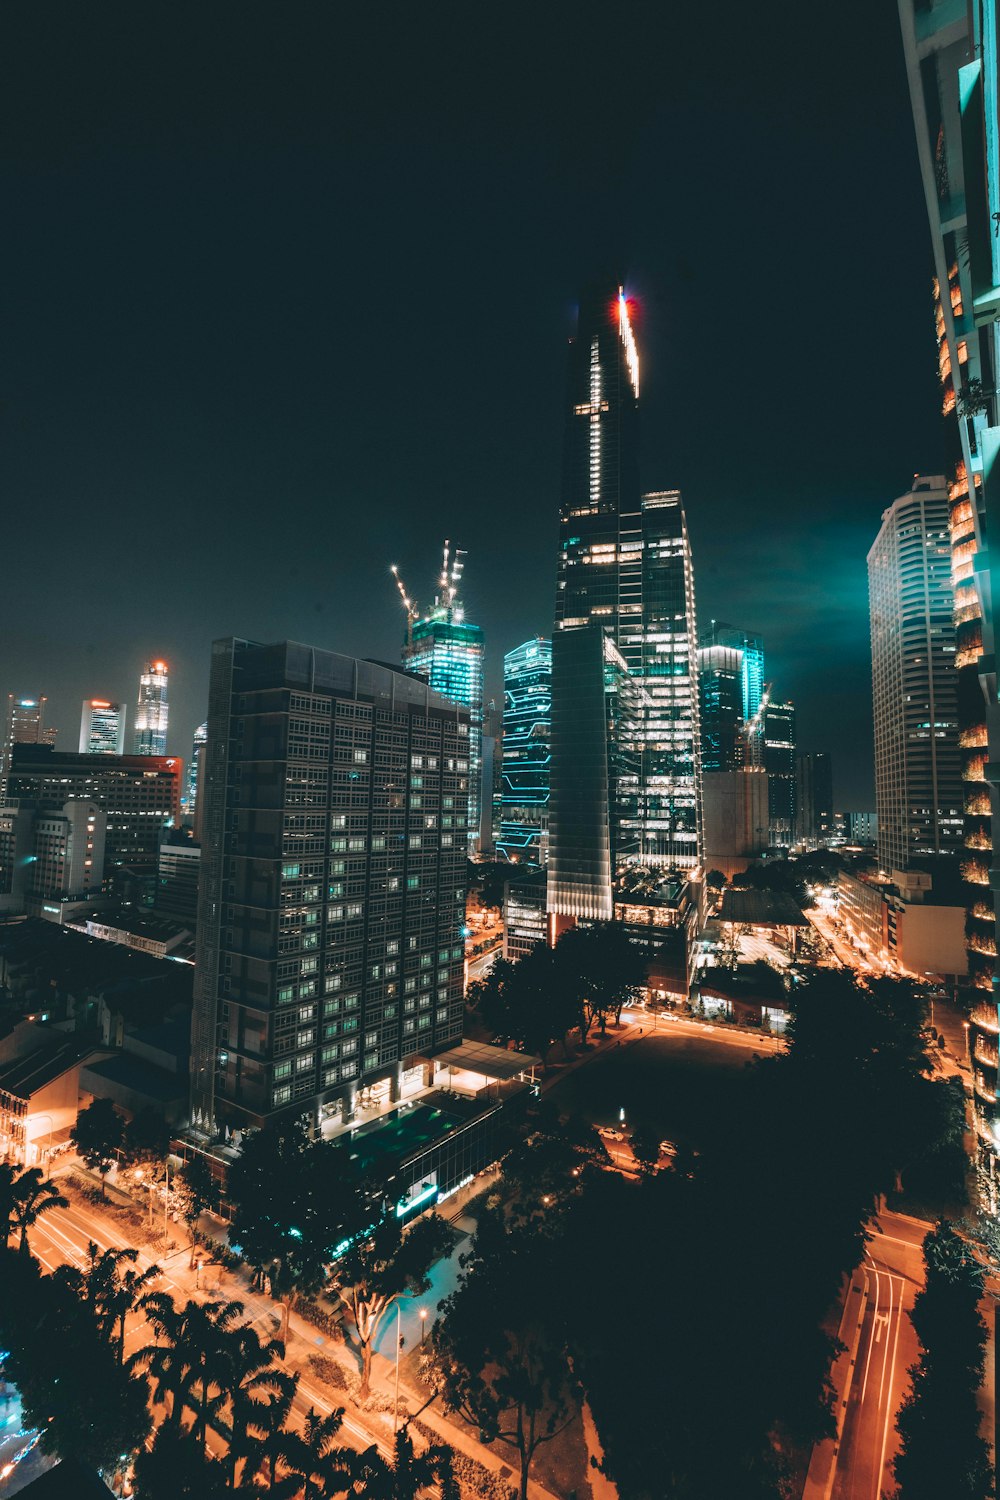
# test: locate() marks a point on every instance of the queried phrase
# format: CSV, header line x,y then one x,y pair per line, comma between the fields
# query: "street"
x,y
872,1379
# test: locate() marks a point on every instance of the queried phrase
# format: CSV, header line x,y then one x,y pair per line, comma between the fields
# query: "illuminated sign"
x,y
628,340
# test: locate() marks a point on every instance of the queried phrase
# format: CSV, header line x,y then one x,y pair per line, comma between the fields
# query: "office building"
x,y
332,892
25,725
194,769
527,732
525,922
951,63
813,798
736,818
750,650
177,876
102,727
139,794
594,798
720,672
446,650
778,728
918,774
624,568
150,737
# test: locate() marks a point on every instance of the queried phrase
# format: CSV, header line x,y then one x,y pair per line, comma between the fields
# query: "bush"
x,y
475,1480
342,1379
321,1318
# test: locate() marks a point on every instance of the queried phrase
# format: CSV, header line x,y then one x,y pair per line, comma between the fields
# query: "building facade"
x,y
951,61
779,763
813,797
720,693
140,795
918,774
624,568
526,753
25,725
750,648
332,895
151,714
446,650
102,727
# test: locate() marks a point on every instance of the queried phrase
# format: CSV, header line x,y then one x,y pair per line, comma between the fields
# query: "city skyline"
x,y
97,423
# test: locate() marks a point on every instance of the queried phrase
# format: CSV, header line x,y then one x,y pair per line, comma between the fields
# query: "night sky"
x,y
287,290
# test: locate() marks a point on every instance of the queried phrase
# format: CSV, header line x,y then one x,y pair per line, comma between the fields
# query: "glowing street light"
x,y
423,1325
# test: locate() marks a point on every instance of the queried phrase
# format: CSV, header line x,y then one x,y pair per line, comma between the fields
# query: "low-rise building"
x,y
905,924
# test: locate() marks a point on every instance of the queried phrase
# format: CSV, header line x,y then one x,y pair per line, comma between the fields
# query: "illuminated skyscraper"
x,y
625,565
447,651
102,727
194,768
918,776
150,736
25,726
527,731
720,670
779,763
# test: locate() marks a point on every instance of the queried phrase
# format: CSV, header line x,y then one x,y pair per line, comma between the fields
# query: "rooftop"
x,y
762,909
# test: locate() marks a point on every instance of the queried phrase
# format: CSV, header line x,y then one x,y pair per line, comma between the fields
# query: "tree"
x,y
30,1197
715,880
267,1442
176,1468
499,1346
644,1138
407,1473
256,1391
381,1266
604,970
295,1200
942,1452
71,1385
321,1468
108,1291
98,1135
199,1192
526,1002
147,1136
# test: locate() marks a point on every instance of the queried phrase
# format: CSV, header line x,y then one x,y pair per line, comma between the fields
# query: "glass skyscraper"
x,y
102,727
527,732
625,567
150,737
447,651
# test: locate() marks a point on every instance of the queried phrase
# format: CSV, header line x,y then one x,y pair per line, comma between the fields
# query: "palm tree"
x,y
33,1196
109,1292
8,1199
268,1441
250,1375
170,1360
407,1474
319,1468
211,1327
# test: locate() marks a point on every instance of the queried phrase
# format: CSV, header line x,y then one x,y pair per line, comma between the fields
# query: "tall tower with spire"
x,y
150,737
446,650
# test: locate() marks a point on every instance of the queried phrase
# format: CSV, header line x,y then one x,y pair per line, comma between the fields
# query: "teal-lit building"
x,y
447,651
527,734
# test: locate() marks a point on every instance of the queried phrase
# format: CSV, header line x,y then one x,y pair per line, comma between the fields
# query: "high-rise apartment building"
x,y
918,776
625,567
951,62
332,893
526,754
102,727
139,794
778,734
447,651
150,737
813,797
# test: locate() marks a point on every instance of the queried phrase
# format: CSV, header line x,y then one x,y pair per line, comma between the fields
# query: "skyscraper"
x,y
447,651
25,725
918,776
102,727
527,731
625,566
150,736
813,797
194,768
951,63
750,648
332,893
720,697
779,763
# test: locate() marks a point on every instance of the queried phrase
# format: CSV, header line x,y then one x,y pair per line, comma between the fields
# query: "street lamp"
x,y
423,1325
399,1345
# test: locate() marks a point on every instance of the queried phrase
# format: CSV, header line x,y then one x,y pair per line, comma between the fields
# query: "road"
x,y
872,1381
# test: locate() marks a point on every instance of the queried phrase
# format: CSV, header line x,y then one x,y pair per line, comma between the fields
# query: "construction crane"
x,y
410,605
451,574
